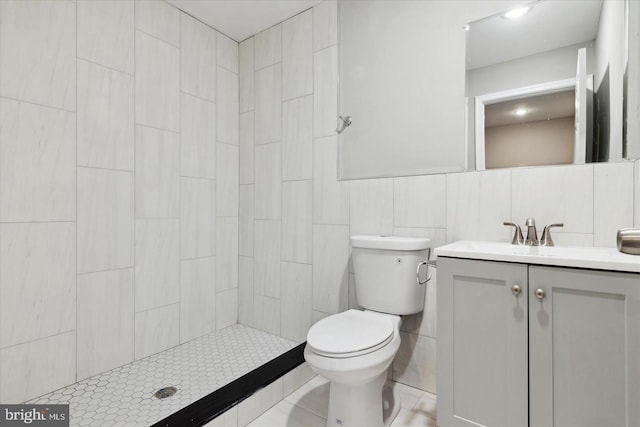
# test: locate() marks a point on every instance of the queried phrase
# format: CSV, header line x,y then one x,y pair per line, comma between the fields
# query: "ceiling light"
x,y
520,111
516,13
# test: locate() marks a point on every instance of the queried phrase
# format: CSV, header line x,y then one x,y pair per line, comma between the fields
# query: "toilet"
x,y
354,349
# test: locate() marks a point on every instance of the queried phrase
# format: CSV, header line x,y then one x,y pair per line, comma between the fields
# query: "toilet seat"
x,y
349,334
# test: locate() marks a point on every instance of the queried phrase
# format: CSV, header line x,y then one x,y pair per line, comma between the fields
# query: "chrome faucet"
x,y
517,234
546,239
532,234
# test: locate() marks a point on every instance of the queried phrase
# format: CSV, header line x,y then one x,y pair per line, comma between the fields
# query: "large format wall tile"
x,y
159,19
330,268
613,201
157,83
330,196
371,207
197,297
297,224
415,363
636,181
226,308
227,53
268,47
268,187
227,111
245,291
106,33
37,281
246,220
420,201
296,301
226,253
297,55
197,218
227,180
266,314
266,271
325,24
105,117
268,105
105,321
297,137
325,92
246,72
247,148
197,137
105,219
197,58
38,52
37,153
157,330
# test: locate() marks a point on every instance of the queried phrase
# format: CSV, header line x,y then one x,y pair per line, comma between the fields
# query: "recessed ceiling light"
x,y
516,13
520,111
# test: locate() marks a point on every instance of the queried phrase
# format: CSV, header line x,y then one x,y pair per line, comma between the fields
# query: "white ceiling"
x,y
541,107
240,19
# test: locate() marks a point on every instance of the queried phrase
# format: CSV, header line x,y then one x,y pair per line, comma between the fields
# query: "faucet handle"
x,y
546,239
517,239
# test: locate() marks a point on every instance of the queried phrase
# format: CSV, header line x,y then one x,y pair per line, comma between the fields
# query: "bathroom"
x,y
174,191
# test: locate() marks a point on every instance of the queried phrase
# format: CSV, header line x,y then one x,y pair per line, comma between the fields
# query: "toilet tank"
x,y
385,272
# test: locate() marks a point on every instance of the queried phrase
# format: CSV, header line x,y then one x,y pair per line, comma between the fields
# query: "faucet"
x,y
532,233
546,239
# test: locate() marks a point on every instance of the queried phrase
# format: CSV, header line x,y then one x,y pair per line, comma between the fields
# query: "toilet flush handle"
x,y
425,263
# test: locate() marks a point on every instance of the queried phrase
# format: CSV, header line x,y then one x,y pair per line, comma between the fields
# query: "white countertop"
x,y
561,256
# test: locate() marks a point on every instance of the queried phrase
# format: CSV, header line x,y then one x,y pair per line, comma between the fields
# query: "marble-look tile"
x,y
197,297
246,73
197,218
37,158
105,220
227,183
325,92
438,236
297,227
407,396
297,139
246,219
415,362
159,19
266,270
268,186
197,58
425,322
38,52
227,107
420,201
157,82
37,367
412,417
613,201
353,295
554,194
296,378
226,308
312,396
268,47
636,181
427,405
477,205
330,196
157,330
268,104
37,281
227,53
105,117
297,55
317,316
105,321
106,33
157,173
371,206
197,137
228,419
245,291
295,319
157,263
572,239
247,147
284,413
226,253
266,314
259,402
330,268
325,24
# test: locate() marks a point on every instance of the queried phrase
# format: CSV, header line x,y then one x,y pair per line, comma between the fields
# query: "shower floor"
x,y
125,396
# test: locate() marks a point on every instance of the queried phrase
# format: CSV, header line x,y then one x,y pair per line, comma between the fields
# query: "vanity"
x,y
537,336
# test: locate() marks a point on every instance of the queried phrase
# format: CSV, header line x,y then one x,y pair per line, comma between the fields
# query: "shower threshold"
x,y
126,396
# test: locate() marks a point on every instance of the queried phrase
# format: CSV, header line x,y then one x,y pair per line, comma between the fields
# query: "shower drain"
x,y
165,392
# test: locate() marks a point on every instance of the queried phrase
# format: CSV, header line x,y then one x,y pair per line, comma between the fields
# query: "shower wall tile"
x,y
105,321
267,248
297,139
297,55
37,281
105,117
296,301
197,137
157,82
159,19
106,33
226,253
197,297
268,104
228,107
268,47
157,330
246,220
157,270
247,147
26,369
37,158
266,314
371,206
227,53
246,73
268,185
38,52
330,268
613,201
325,24
325,92
197,218
415,362
105,219
330,196
297,227
227,180
197,58
420,201
226,308
245,291
157,173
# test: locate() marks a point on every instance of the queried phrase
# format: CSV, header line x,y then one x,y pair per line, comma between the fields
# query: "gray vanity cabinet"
x,y
562,350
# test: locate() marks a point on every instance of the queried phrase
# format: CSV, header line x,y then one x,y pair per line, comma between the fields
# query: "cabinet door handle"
x,y
517,290
540,294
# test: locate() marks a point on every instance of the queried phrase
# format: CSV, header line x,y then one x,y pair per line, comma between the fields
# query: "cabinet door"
x,y
584,351
482,344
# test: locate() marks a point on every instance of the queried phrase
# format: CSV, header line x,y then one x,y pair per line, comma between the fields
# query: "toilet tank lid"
x,y
392,243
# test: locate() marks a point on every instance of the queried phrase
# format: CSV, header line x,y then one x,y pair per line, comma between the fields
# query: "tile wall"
x,y
119,191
